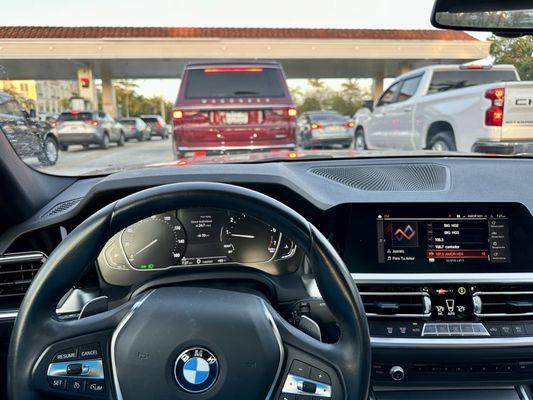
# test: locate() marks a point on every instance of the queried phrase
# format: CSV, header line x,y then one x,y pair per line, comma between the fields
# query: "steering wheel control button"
x,y
96,387
300,368
66,355
196,370
90,351
307,387
320,376
74,369
57,383
76,385
302,386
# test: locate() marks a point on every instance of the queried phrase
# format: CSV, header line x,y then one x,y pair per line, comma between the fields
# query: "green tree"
x,y
518,52
309,104
125,89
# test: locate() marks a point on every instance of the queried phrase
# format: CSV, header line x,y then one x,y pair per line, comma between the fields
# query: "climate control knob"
x,y
397,373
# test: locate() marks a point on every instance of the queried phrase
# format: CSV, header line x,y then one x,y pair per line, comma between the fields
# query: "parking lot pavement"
x,y
77,160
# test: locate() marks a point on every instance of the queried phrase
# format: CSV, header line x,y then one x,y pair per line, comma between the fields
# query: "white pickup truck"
x,y
463,108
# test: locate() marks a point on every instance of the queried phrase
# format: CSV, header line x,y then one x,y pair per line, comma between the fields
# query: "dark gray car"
x,y
29,136
157,125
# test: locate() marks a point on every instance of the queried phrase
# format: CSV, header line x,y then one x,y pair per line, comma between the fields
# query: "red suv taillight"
x,y
190,116
494,115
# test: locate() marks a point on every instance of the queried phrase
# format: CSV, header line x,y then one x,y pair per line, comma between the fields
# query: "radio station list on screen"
x,y
476,239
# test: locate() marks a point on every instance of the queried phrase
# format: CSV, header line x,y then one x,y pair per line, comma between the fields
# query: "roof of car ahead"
x,y
454,67
224,63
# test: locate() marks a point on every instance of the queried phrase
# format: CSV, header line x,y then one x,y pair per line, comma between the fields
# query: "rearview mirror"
x,y
504,17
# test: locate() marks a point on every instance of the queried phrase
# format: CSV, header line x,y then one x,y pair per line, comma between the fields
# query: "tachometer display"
x,y
154,243
247,240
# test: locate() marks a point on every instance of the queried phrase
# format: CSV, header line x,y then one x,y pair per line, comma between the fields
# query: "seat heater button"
x,y
300,368
76,385
90,351
95,387
66,355
57,383
74,369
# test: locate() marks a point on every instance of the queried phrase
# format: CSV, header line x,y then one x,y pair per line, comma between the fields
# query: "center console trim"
x,y
451,343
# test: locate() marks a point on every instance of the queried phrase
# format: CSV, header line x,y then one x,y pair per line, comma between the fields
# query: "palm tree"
x,y
128,88
316,84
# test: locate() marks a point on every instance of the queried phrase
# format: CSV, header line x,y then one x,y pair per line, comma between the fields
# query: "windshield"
x,y
241,82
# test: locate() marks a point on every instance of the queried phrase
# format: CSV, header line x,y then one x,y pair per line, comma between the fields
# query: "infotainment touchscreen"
x,y
436,238
452,238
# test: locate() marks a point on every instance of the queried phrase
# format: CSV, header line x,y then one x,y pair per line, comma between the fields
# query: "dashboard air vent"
x,y
397,304
61,208
503,304
16,273
388,178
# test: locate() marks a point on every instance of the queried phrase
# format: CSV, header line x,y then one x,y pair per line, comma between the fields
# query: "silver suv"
x,y
88,127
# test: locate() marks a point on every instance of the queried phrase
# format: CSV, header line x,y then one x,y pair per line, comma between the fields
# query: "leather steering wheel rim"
x,y
37,326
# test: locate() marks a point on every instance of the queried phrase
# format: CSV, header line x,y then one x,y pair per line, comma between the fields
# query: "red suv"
x,y
233,107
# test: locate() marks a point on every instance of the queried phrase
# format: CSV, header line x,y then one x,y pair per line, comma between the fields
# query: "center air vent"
x,y
16,273
397,304
503,304
388,178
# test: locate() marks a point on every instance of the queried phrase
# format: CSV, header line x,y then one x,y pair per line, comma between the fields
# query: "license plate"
x,y
236,118
333,129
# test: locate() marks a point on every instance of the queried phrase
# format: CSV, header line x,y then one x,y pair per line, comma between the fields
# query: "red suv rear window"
x,y
232,82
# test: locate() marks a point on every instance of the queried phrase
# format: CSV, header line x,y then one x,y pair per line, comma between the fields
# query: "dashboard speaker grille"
x,y
16,274
60,208
388,178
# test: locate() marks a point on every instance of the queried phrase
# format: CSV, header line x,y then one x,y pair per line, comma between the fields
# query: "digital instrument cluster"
x,y
195,237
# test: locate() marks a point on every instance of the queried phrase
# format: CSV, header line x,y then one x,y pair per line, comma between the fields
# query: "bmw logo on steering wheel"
x,y
196,370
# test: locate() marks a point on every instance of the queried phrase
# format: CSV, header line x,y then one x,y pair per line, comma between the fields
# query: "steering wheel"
x,y
186,342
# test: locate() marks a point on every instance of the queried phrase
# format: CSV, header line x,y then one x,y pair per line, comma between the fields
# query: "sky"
x,y
355,14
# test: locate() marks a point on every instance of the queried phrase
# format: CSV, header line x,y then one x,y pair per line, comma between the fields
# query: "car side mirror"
x,y
32,113
368,104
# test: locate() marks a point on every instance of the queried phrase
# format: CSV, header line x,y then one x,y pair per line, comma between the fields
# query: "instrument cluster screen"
x,y
451,239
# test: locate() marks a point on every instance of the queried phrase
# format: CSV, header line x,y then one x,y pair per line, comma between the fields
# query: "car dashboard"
x,y
440,250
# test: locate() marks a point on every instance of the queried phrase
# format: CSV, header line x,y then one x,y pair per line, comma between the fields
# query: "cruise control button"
x,y
57,383
76,385
307,387
95,387
319,376
74,369
90,351
66,355
300,368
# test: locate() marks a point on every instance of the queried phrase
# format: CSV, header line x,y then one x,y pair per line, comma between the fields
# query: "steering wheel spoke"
x,y
76,360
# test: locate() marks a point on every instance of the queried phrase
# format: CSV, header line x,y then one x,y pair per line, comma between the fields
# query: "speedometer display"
x,y
194,237
247,240
154,243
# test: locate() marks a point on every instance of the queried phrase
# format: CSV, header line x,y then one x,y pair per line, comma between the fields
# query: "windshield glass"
x,y
241,82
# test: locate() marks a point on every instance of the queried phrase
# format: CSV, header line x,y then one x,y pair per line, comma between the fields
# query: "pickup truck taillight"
x,y
494,115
